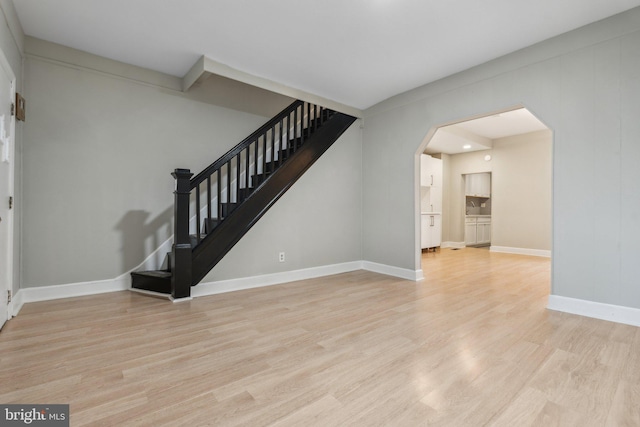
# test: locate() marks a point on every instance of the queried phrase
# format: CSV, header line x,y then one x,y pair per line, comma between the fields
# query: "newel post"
x,y
181,259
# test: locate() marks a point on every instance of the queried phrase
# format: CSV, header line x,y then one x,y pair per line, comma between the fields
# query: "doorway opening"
x,y
495,188
7,172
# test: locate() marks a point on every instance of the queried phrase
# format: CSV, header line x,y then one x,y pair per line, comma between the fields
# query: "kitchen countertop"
x,y
478,216
430,213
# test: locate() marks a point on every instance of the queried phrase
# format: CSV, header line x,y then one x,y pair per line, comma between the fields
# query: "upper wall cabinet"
x,y
430,171
478,185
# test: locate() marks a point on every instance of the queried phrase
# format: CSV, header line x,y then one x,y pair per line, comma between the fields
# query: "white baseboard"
x,y
597,310
231,285
613,313
120,283
389,270
16,303
123,282
46,293
521,251
453,245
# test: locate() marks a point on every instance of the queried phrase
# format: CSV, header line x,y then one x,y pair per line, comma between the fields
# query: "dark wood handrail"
x,y
213,167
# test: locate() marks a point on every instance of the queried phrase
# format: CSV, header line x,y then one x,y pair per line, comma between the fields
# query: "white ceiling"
x,y
478,134
356,52
505,124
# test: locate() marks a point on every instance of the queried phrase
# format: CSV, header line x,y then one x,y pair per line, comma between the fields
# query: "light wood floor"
x,y
471,345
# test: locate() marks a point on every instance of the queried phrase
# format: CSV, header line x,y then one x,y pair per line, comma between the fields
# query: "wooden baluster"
x,y
209,198
238,178
295,129
197,214
273,148
289,135
219,202
264,156
228,165
302,127
246,167
280,143
315,117
254,162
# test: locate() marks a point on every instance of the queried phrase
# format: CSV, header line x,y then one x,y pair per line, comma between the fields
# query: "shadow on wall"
x,y
140,237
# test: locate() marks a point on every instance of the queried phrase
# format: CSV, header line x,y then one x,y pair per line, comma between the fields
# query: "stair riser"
x,y
209,225
227,208
243,193
149,283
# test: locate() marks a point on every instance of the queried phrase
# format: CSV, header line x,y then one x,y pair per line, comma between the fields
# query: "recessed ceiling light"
x,y
466,147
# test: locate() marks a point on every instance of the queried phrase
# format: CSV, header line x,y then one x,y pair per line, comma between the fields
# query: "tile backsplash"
x,y
478,206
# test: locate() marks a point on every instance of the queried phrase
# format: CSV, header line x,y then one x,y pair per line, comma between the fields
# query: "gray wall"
x,y
521,191
11,44
585,86
99,149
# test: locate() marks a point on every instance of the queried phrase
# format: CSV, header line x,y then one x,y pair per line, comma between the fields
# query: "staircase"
x,y
216,208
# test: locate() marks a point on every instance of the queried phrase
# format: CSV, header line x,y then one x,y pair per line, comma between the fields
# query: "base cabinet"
x,y
483,233
470,232
477,231
431,227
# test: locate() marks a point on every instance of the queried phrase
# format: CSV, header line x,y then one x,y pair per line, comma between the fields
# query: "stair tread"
x,y
161,274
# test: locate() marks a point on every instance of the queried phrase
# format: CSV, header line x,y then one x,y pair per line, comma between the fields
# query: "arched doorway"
x,y
512,151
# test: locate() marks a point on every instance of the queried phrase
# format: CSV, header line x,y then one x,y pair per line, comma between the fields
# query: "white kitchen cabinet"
x,y
470,231
483,233
430,171
485,185
431,183
431,227
477,231
478,185
431,203
435,197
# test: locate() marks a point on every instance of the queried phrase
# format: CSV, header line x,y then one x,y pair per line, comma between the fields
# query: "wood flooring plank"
x,y
625,410
554,415
523,411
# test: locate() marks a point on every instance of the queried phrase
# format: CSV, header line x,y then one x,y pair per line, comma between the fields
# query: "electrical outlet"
x,y
281,257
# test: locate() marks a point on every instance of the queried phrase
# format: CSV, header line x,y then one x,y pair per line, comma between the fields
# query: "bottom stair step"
x,y
156,281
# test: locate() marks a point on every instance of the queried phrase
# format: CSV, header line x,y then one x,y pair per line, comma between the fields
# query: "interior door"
x,y
7,126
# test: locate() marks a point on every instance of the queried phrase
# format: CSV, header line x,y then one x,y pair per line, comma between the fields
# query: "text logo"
x,y
34,415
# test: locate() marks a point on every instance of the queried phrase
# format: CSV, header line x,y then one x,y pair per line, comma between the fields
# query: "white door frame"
x,y
10,223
